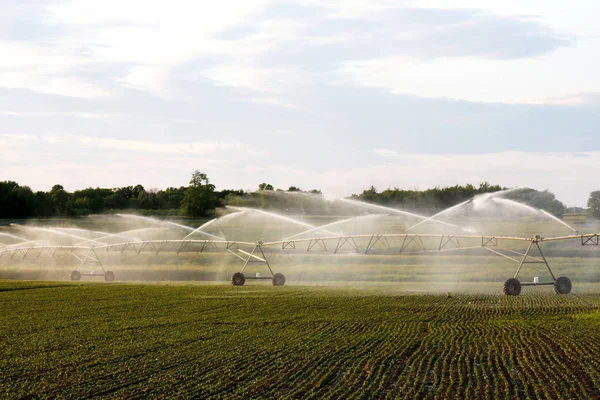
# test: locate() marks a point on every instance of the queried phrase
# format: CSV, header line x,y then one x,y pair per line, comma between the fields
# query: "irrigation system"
x,y
250,253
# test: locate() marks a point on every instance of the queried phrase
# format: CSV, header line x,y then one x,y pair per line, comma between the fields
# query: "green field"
x,y
459,271
259,341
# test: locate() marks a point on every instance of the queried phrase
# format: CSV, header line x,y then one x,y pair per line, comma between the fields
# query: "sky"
x,y
328,95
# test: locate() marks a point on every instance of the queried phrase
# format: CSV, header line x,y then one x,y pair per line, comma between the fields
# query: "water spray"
x,y
119,235
279,216
395,210
332,224
13,236
199,230
514,203
438,214
56,232
160,222
559,220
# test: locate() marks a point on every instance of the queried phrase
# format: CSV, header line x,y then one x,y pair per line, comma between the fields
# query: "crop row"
x,y
128,341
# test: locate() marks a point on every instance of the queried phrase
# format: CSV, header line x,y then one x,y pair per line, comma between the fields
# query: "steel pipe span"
x,y
191,245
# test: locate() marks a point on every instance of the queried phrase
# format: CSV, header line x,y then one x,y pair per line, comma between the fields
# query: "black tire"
x,y
512,287
75,275
278,279
238,279
109,276
563,285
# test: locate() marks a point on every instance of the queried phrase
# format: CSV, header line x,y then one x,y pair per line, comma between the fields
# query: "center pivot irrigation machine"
x,y
406,243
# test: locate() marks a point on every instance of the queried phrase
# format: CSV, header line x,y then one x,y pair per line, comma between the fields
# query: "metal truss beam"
x,y
449,239
489,241
316,242
413,239
378,239
343,240
590,240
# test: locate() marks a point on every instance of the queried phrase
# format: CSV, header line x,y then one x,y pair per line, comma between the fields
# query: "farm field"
x,y
455,272
89,339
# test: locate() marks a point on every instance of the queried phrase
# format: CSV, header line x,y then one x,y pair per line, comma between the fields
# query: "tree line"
x,y
436,199
200,198
197,199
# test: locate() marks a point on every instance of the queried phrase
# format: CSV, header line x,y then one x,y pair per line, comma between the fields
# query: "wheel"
x,y
75,275
562,285
512,287
238,279
109,276
278,279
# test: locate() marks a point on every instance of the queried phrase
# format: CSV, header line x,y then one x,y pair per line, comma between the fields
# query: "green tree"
x,y
90,200
594,204
545,200
172,198
200,198
60,198
44,204
17,201
370,194
430,199
265,186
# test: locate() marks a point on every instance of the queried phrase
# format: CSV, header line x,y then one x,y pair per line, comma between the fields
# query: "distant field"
x,y
460,271
455,270
259,341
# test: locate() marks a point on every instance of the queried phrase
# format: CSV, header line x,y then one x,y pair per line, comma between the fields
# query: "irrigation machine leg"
x,y
545,261
523,260
238,279
91,258
512,287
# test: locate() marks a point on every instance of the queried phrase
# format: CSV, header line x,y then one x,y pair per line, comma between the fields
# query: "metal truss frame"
x,y
590,240
413,239
449,239
317,241
87,256
378,239
343,240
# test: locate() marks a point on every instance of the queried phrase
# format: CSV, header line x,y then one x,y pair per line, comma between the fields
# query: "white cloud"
x,y
356,9
576,17
149,39
152,37
43,68
560,74
33,114
283,132
201,148
152,78
246,76
576,99
52,152
244,72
